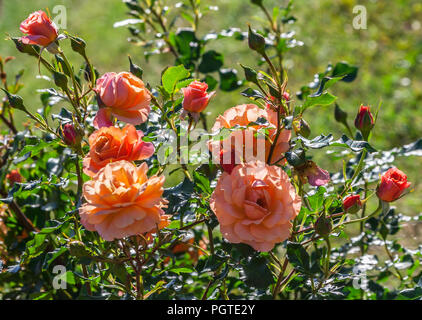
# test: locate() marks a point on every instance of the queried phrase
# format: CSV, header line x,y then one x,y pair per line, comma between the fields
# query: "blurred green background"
x,y
388,54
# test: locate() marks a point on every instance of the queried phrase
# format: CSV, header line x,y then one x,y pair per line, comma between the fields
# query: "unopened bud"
x,y
323,226
352,204
15,101
256,41
70,135
78,45
364,121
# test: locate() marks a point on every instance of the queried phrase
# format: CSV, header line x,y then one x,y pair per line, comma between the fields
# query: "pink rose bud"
x,y
14,176
286,96
393,184
39,28
352,204
196,97
70,135
364,121
316,176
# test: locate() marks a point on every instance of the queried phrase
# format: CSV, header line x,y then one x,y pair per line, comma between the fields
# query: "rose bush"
x,y
111,179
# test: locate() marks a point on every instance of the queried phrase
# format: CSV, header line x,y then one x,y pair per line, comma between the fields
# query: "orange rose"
x,y
124,97
393,184
195,97
40,29
110,144
122,201
243,115
255,205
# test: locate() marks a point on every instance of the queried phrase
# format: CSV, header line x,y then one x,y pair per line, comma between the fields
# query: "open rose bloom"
x,y
255,205
39,28
122,201
393,185
124,96
249,144
110,144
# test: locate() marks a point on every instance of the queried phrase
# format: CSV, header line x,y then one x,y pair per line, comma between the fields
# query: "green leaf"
x,y
229,80
257,273
250,74
324,99
182,270
326,82
183,83
211,61
251,93
355,146
413,293
211,82
202,182
323,141
318,142
298,257
346,71
34,150
172,76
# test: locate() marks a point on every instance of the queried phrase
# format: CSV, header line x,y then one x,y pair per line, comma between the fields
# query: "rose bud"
x,y
70,135
40,30
14,176
352,204
393,184
196,97
364,121
323,226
